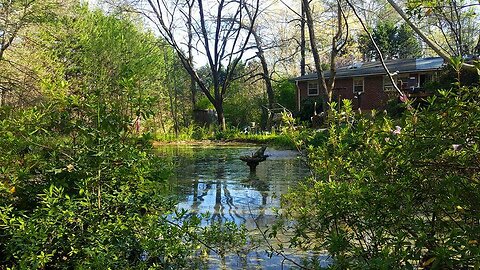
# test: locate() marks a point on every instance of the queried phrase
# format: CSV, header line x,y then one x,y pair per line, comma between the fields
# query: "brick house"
x,y
367,85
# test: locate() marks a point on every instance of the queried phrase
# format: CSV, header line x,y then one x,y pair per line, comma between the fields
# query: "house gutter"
x,y
369,74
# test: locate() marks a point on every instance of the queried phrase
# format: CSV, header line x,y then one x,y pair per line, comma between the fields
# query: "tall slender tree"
x,y
193,84
303,42
339,40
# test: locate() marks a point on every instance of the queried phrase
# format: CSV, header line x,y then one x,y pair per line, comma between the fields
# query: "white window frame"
x,y
356,79
308,89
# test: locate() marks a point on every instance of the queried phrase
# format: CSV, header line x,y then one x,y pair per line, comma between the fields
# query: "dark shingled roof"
x,y
376,68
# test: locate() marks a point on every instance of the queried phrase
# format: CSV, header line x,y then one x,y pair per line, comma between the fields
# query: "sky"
x,y
278,6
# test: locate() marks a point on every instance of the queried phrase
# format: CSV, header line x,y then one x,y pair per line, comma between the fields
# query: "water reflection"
x,y
215,181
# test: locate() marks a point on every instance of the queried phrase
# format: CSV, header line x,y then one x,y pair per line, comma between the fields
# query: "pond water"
x,y
213,180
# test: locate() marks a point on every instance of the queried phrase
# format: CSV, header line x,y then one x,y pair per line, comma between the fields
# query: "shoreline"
x,y
207,143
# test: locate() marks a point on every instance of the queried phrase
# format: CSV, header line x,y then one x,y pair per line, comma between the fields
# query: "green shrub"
x,y
285,91
204,104
79,189
308,106
395,194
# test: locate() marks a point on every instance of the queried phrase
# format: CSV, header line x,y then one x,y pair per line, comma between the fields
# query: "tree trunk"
x,y
303,43
2,91
220,116
190,53
172,110
336,48
1,97
322,86
266,73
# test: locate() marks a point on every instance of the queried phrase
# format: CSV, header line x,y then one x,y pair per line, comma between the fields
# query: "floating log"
x,y
255,159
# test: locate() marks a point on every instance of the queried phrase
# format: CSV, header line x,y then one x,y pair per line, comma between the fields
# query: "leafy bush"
x,y
78,187
204,104
395,194
85,198
285,91
308,106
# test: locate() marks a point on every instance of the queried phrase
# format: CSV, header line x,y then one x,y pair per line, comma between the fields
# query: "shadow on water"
x,y
214,180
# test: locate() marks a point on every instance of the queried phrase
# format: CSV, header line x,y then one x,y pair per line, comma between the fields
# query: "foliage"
x,y
225,237
18,15
190,133
395,195
449,77
244,106
174,94
274,139
309,107
395,42
285,93
231,134
78,187
245,99
453,24
204,104
395,108
88,199
21,54
96,54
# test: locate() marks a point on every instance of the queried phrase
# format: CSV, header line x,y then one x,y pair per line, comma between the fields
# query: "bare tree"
x,y
260,54
221,41
339,41
434,46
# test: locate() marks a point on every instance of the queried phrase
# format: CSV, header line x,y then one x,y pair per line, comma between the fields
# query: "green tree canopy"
x,y
394,41
78,188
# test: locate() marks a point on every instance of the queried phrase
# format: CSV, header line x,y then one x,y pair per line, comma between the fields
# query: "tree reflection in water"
x,y
216,181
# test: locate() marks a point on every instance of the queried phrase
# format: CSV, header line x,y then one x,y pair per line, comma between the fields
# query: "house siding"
x,y
373,96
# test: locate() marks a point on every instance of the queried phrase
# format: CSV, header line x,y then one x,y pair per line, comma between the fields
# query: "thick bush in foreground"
x,y
395,194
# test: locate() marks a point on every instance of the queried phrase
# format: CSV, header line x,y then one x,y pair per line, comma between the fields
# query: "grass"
x,y
195,134
279,140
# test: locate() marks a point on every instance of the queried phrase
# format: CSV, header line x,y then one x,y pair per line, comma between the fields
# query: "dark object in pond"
x,y
257,157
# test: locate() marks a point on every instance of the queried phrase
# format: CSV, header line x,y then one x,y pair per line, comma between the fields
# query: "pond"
x,y
213,180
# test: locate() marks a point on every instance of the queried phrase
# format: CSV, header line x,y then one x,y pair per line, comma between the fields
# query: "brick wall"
x,y
373,96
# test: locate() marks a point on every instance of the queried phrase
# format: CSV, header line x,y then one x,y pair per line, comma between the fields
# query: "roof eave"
x,y
300,79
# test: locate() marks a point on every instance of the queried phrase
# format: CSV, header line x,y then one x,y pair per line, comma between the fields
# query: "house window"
x,y
387,84
402,81
413,81
358,84
427,78
312,89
